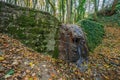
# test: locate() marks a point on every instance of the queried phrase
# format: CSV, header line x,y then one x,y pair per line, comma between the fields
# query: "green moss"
x,y
11,30
35,30
26,21
56,51
111,20
94,32
31,27
20,35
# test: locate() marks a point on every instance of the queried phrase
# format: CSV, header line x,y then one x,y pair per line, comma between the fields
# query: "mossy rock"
x,y
32,27
26,21
35,30
94,32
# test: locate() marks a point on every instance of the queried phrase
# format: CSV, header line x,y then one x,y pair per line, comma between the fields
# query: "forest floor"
x,y
18,62
105,59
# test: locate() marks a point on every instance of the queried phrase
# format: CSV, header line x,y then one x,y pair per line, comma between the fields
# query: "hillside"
x,y
28,38
18,61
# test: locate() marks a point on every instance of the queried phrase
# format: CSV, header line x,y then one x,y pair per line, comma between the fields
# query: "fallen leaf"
x,y
7,76
2,58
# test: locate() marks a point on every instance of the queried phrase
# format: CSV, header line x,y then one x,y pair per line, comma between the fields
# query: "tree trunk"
x,y
103,4
53,7
63,10
113,7
34,4
95,10
68,11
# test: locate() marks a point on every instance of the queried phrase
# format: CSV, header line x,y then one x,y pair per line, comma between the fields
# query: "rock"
x,y
72,45
42,26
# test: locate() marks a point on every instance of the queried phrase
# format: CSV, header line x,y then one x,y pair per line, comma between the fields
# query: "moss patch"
x,y
33,28
111,20
94,32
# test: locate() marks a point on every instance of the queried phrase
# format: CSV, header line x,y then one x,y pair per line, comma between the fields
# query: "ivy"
x,y
94,32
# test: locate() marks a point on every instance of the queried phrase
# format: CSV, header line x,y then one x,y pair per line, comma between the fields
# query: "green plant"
x,y
118,7
94,32
31,27
111,20
26,21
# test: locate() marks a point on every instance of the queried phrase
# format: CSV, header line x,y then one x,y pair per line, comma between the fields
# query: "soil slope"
x,y
18,62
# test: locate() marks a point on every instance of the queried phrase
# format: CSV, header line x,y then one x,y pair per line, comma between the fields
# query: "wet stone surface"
x,y
72,45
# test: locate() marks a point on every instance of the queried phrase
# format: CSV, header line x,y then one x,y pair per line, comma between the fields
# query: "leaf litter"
x,y
18,62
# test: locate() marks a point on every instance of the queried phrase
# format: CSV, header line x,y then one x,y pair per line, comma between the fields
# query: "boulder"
x,y
36,29
72,44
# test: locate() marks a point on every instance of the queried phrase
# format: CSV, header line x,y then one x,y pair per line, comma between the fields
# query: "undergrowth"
x,y
94,32
110,20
